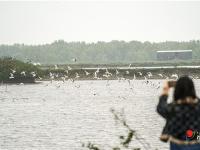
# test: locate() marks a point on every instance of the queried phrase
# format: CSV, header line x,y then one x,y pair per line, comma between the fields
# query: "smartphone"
x,y
171,83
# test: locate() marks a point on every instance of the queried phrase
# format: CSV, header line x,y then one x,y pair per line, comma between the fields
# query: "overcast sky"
x,y
45,22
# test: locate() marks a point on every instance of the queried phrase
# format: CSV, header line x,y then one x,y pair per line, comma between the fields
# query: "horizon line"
x,y
99,41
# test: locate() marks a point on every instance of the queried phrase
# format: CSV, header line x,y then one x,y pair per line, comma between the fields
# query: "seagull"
x,y
51,75
129,65
86,73
108,73
127,72
174,76
11,76
97,70
134,77
33,74
95,75
69,68
56,67
66,71
77,75
117,72
23,73
149,74
160,75
13,71
140,73
74,59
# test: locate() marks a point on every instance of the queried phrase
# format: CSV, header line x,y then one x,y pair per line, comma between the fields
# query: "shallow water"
x,y
64,115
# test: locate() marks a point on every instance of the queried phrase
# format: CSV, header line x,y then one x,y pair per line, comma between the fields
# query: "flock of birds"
x,y
108,75
23,73
99,76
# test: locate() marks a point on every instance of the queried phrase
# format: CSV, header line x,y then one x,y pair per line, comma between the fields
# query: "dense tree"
x,y
61,52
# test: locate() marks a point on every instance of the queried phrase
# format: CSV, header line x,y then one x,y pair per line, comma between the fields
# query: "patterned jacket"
x,y
181,116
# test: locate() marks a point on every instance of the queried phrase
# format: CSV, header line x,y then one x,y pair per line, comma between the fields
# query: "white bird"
x,y
108,73
74,59
174,76
86,73
149,74
97,70
23,73
129,65
117,72
69,68
77,75
160,75
13,71
66,71
51,75
33,74
36,64
140,73
134,77
127,72
56,67
11,76
95,75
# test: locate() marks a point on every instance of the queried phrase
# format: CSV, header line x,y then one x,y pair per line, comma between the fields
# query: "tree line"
x,y
61,52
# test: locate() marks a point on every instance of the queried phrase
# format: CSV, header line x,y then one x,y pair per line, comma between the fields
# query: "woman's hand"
x,y
165,88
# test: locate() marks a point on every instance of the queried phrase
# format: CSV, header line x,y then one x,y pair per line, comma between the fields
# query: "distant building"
x,y
174,55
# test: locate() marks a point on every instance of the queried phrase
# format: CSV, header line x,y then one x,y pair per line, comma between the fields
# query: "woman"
x,y
182,115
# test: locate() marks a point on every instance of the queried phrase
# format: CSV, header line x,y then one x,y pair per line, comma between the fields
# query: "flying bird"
x,y
174,76
127,72
74,59
11,76
86,73
23,73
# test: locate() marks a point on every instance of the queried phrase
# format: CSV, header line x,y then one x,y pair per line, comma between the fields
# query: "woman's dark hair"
x,y
184,88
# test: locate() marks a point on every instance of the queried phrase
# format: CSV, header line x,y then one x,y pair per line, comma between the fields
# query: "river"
x,y
63,115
